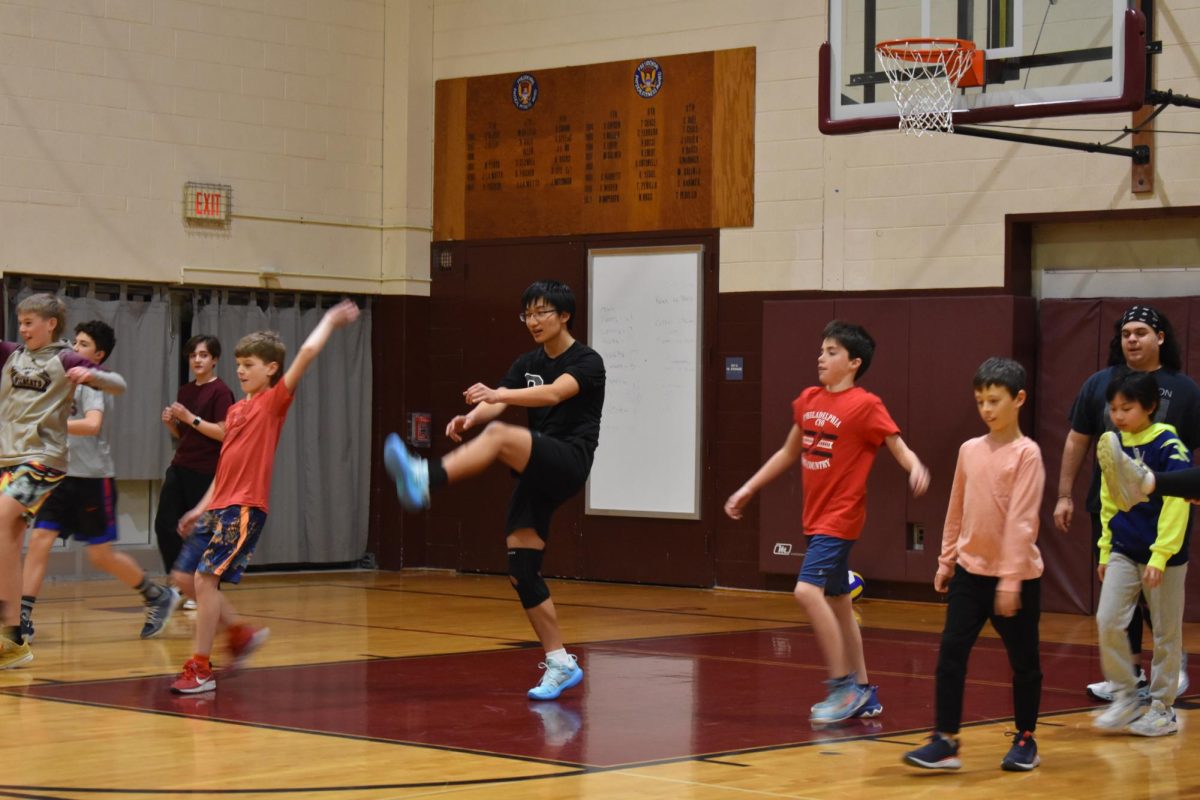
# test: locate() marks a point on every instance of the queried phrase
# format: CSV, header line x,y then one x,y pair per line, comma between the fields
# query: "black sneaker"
x,y
26,630
939,753
1022,756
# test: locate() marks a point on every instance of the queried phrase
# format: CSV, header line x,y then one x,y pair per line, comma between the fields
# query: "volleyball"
x,y
856,584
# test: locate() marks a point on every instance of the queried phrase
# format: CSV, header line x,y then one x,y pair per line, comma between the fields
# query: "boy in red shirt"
x,y
838,427
232,512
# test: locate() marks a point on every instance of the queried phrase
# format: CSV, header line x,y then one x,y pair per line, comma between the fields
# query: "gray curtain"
x,y
145,355
321,485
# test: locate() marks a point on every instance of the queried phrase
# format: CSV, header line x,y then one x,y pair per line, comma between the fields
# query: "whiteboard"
x,y
644,320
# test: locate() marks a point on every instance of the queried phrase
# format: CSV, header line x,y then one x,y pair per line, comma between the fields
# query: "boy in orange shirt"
x,y
991,566
235,506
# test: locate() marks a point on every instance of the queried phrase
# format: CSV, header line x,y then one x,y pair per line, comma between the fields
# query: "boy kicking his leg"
x,y
561,382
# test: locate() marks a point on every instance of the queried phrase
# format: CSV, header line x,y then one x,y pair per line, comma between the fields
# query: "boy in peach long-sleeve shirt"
x,y
991,567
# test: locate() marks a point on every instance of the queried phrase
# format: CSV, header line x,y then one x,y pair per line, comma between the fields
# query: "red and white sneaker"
x,y
244,640
194,679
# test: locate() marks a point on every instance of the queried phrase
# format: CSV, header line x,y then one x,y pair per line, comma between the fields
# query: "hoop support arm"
x,y
1140,154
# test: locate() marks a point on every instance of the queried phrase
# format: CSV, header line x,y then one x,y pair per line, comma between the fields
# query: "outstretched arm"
x,y
918,475
105,381
339,316
776,465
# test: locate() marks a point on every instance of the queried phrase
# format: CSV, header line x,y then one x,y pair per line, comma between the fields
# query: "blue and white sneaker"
x,y
844,701
556,679
410,472
871,708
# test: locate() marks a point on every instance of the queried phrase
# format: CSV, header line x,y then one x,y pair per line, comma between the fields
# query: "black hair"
x,y
211,343
556,294
1168,352
102,334
855,339
1140,387
997,371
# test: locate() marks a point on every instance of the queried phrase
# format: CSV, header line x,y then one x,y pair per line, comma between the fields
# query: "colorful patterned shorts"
x,y
29,484
233,532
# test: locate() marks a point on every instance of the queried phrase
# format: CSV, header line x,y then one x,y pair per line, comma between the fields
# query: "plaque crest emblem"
x,y
524,91
648,78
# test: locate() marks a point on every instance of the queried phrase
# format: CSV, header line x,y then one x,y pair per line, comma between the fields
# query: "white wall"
x,y
108,106
872,211
321,111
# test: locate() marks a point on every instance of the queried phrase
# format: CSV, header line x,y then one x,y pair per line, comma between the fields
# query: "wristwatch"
x,y
196,422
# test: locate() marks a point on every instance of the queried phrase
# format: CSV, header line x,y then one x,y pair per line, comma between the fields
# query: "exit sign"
x,y
207,202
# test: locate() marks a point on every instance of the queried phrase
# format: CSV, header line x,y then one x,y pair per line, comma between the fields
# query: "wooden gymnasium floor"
x,y
407,685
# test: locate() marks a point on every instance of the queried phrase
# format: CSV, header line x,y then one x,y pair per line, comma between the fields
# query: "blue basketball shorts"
x,y
827,564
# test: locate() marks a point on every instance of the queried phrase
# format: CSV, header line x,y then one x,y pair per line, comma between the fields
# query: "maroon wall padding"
x,y
1073,343
400,331
736,451
927,351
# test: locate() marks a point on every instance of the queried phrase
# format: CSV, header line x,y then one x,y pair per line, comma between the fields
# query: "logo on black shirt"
x,y
532,380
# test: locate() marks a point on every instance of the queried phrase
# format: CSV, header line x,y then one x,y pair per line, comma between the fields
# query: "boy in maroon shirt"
x,y
196,420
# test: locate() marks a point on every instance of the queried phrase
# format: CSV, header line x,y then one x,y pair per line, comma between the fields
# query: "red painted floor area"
x,y
641,700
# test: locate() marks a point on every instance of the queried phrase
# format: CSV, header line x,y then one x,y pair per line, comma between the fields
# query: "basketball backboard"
x,y
1044,58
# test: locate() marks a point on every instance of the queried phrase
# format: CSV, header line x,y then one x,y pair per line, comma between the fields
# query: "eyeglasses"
x,y
538,315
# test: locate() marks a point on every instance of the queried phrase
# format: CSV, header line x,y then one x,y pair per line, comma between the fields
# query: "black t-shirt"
x,y
1178,406
577,419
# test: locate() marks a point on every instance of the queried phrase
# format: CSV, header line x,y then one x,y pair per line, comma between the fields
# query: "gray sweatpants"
x,y
1118,596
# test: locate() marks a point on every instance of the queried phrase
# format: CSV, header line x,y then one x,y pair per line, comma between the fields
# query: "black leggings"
x,y
1181,483
970,606
182,489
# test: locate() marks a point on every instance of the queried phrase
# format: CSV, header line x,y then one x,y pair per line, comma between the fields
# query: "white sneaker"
x,y
1124,709
1104,690
1158,721
556,679
1124,477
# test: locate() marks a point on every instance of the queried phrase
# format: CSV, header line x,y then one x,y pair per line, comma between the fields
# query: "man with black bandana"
x,y
1144,340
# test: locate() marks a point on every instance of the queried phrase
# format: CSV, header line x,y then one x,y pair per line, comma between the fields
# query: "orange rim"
x,y
925,50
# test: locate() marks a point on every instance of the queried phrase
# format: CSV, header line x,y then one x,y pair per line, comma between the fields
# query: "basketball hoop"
x,y
924,74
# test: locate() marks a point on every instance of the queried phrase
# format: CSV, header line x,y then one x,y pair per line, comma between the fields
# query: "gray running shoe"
x,y
159,611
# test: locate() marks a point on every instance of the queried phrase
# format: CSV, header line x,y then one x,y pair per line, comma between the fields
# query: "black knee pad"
x,y
525,572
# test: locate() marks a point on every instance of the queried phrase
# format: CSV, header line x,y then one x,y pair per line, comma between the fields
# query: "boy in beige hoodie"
x,y
991,566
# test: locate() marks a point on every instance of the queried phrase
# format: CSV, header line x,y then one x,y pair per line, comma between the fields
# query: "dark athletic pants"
x,y
972,603
182,489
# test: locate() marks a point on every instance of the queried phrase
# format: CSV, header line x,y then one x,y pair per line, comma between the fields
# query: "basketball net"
x,y
925,74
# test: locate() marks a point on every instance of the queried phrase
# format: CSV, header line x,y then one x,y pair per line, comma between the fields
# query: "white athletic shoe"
x,y
1158,721
1124,709
1104,690
1123,476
